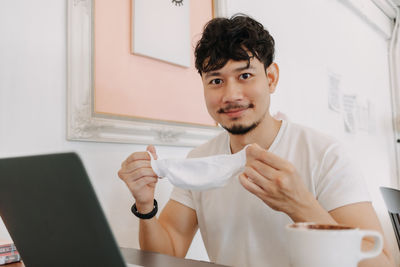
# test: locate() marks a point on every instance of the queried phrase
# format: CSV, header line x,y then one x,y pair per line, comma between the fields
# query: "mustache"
x,y
230,107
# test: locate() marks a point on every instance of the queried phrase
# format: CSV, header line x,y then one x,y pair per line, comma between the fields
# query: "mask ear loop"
x,y
154,165
245,151
243,157
151,156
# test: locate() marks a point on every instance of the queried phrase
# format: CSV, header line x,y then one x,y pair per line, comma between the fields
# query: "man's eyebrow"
x,y
247,67
212,74
238,69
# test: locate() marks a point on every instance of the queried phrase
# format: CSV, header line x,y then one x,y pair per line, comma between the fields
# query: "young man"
x,y
292,174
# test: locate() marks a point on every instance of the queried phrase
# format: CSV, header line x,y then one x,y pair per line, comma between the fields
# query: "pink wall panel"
x,y
136,86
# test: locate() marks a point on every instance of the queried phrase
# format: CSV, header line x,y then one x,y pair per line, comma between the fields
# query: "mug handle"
x,y
378,244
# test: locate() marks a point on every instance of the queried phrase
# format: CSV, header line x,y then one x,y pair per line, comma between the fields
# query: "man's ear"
x,y
272,76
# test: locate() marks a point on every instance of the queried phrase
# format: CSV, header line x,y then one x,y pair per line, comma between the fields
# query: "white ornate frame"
x,y
84,124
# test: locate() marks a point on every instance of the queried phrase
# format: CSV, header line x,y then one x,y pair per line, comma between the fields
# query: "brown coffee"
x,y
321,226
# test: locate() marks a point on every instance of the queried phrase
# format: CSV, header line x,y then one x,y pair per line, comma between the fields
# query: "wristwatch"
x,y
146,216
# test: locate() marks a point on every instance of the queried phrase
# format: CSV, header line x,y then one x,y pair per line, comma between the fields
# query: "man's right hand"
x,y
173,231
140,178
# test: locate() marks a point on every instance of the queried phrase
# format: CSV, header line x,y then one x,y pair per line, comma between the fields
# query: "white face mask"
x,y
200,173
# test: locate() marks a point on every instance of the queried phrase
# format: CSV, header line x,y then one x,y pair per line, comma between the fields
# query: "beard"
x,y
241,129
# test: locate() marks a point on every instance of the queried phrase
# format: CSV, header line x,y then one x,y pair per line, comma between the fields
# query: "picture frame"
x,y
147,33
84,124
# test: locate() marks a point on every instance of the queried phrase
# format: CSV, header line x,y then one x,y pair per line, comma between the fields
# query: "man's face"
x,y
238,95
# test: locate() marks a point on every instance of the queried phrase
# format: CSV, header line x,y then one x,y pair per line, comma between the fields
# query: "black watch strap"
x,y
149,215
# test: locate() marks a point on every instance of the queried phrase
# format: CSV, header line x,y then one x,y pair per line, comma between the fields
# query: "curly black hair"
x,y
238,38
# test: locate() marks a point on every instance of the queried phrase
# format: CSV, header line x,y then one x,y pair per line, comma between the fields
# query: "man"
x,y
292,173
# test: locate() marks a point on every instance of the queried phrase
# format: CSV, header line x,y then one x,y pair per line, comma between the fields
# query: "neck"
x,y
263,135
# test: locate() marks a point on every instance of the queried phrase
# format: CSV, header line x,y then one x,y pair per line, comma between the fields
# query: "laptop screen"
x,y
51,212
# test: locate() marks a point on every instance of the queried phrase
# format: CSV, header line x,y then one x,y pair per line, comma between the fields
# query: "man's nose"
x,y
232,92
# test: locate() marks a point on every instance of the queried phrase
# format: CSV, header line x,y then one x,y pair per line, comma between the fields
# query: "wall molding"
x,y
83,124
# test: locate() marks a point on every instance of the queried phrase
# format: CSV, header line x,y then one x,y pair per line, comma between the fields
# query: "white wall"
x,y
33,109
312,37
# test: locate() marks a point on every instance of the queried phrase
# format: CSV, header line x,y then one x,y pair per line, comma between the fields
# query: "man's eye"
x,y
245,76
216,81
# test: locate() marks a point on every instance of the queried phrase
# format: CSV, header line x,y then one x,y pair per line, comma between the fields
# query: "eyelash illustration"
x,y
178,2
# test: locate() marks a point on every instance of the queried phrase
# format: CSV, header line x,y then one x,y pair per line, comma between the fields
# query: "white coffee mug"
x,y
319,245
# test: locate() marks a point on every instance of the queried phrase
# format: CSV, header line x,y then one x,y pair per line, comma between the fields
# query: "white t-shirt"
x,y
238,229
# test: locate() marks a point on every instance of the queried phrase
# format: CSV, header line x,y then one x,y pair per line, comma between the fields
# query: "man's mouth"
x,y
234,110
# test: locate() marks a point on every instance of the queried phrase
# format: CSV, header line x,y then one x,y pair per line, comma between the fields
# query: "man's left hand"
x,y
276,182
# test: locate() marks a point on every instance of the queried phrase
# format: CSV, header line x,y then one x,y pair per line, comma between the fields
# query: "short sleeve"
x,y
182,196
340,181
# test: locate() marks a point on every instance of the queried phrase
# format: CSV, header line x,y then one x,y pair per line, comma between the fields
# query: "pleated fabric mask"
x,y
200,173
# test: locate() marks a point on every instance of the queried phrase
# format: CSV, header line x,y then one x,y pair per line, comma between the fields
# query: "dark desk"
x,y
150,259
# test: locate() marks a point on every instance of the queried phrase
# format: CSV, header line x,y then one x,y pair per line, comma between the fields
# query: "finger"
x,y
143,155
256,152
134,165
256,178
249,185
137,174
143,172
152,150
153,184
263,169
140,183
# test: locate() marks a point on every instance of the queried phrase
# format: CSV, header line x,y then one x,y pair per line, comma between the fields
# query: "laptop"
x,y
54,217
